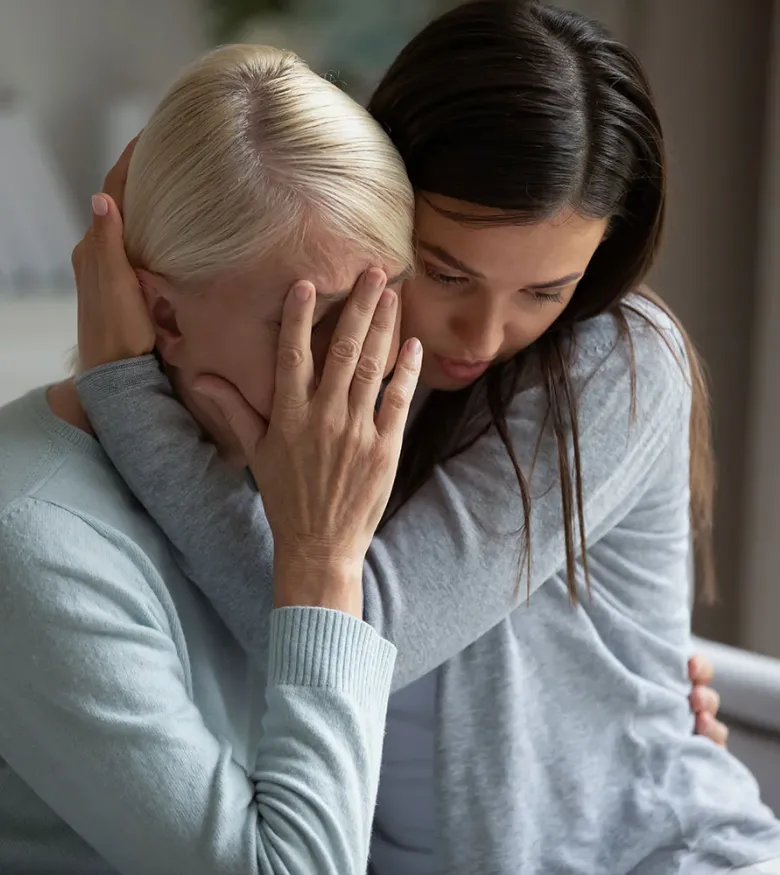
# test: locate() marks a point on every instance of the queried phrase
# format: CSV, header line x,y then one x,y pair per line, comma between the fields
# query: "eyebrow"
x,y
457,264
450,260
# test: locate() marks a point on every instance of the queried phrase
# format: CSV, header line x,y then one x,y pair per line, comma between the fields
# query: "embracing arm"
x,y
447,567
99,721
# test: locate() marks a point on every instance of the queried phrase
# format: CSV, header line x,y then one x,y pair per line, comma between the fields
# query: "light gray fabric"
x,y
136,737
771,867
564,736
405,819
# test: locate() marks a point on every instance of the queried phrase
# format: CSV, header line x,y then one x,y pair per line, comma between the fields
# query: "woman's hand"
x,y
325,463
705,702
113,320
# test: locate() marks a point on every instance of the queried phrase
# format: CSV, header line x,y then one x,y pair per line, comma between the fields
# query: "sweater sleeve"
x,y
98,719
447,567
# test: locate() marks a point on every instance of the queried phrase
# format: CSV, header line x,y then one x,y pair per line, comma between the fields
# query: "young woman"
x,y
560,456
135,735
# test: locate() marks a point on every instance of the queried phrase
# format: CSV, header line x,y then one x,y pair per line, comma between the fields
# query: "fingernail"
x,y
388,299
303,292
99,205
375,278
415,347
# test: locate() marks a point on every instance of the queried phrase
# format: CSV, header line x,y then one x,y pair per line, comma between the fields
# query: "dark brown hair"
x,y
514,105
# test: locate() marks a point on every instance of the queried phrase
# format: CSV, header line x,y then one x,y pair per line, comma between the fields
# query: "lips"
x,y
462,370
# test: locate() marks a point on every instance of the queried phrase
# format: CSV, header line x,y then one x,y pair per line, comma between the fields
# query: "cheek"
x,y
253,372
240,351
421,312
526,328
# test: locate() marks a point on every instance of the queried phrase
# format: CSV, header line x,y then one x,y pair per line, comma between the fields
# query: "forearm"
x,y
317,768
449,565
75,718
211,514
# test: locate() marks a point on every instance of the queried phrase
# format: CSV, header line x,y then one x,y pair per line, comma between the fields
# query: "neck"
x,y
64,403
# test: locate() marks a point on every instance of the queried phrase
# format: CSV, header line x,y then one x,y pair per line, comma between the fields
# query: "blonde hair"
x,y
247,152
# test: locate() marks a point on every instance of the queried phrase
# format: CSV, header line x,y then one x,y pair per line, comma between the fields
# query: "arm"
x,y
99,722
447,567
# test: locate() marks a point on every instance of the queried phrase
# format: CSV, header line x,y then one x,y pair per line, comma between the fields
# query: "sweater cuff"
x,y
320,647
116,378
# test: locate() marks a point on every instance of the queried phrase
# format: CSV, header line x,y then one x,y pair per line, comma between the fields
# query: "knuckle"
x,y
383,321
290,357
369,369
407,368
329,426
345,349
364,303
396,397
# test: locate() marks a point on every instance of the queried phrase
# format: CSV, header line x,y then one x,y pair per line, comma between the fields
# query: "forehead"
x,y
536,252
263,288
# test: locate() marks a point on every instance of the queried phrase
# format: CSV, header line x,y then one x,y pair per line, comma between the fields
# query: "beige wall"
x,y
760,617
69,57
707,60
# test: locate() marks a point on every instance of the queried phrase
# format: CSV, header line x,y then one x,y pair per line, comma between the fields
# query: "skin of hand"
x,y
705,701
114,324
326,460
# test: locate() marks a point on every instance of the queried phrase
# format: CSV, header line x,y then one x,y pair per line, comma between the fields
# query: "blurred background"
x,y
79,77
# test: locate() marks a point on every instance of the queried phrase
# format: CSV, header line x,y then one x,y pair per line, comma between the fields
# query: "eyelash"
x,y
445,279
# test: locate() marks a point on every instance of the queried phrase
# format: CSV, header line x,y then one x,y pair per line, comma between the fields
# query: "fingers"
x,y
371,366
114,184
294,364
705,699
107,238
393,413
711,728
243,420
349,337
700,670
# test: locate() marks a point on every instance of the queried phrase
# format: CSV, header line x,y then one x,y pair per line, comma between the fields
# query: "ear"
x,y
161,301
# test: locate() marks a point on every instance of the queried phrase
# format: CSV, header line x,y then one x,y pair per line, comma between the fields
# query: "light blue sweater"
x,y
564,738
135,735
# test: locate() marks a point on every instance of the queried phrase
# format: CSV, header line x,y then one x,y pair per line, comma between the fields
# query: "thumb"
x,y
244,421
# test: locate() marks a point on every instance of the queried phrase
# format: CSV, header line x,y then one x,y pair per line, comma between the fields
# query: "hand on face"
x,y
325,463
113,320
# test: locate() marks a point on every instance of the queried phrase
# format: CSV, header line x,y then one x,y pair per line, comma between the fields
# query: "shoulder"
x,y
60,568
73,540
638,355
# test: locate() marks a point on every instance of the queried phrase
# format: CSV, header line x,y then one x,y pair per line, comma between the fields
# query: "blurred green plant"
x,y
230,16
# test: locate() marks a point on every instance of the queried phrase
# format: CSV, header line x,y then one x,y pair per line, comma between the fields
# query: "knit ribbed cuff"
x,y
319,647
115,378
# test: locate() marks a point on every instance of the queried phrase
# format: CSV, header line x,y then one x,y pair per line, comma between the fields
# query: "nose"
x,y
480,330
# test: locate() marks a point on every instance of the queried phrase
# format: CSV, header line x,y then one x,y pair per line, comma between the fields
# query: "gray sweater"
x,y
564,736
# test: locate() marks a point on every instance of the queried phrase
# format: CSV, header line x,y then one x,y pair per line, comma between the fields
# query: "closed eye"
x,y
444,279
547,297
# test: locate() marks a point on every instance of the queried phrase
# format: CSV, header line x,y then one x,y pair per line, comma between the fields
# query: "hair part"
x,y
514,105
251,151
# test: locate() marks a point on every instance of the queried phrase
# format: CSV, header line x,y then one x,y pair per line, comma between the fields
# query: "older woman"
x,y
136,736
